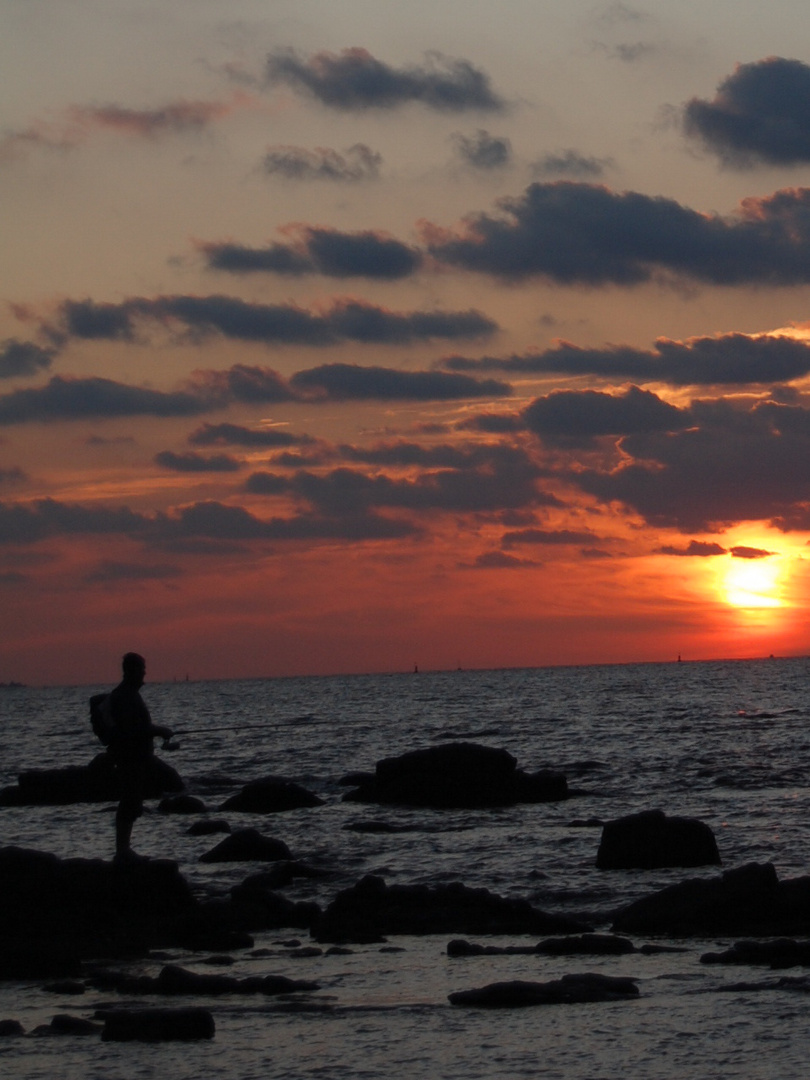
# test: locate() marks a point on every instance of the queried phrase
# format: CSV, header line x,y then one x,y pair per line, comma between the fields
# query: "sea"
x,y
727,742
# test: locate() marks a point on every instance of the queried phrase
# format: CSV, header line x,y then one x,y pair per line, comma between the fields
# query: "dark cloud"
x,y
76,399
197,463
583,233
241,382
575,418
355,80
499,560
700,549
571,163
507,479
235,435
174,117
22,523
14,475
214,520
548,536
355,164
271,324
730,463
729,359
321,251
343,382
22,358
742,552
482,150
760,113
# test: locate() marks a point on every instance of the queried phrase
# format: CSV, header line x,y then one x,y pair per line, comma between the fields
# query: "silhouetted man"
x,y
132,750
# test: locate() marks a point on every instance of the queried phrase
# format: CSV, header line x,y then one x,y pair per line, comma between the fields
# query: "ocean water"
x,y
727,742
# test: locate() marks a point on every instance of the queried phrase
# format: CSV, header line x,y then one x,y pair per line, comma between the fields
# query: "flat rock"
x,y
96,782
569,990
459,775
371,909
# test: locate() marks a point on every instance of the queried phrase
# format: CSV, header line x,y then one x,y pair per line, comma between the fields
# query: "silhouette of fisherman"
x,y
132,751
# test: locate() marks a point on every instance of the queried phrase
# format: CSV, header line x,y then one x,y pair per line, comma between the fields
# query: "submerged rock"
x,y
651,840
778,954
456,775
749,901
570,989
371,909
96,782
271,796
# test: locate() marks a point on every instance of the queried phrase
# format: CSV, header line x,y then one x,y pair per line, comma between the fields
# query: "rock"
x,y
65,987
53,912
570,989
651,840
583,944
273,911
778,954
68,1025
209,827
456,775
271,796
182,804
158,1025
10,1028
176,981
96,782
749,901
371,909
247,845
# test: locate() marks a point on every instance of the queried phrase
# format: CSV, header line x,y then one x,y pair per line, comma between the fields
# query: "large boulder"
x,y
96,782
246,845
651,840
271,796
749,901
569,990
456,775
371,909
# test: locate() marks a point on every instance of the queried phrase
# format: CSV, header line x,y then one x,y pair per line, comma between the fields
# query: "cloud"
x,y
724,360
197,463
235,435
321,251
499,560
355,80
570,418
583,233
700,549
507,479
548,536
241,382
178,116
571,163
23,523
81,398
760,114
355,164
270,324
22,358
119,572
344,382
742,552
482,150
213,520
731,462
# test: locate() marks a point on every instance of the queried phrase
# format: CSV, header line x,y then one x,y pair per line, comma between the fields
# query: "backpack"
x,y
101,719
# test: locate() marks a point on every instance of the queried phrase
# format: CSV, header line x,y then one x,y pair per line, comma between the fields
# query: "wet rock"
x,y
271,796
208,827
579,945
283,873
96,782
570,989
371,909
66,987
271,911
10,1028
176,981
651,840
778,954
64,1024
55,911
456,775
158,1025
247,845
182,804
749,901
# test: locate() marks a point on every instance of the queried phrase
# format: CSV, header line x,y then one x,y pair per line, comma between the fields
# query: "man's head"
x,y
133,666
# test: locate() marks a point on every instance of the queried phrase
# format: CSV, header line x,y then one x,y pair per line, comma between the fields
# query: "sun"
x,y
753,583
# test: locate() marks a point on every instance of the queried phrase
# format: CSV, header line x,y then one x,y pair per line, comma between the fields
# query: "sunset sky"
x,y
347,337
